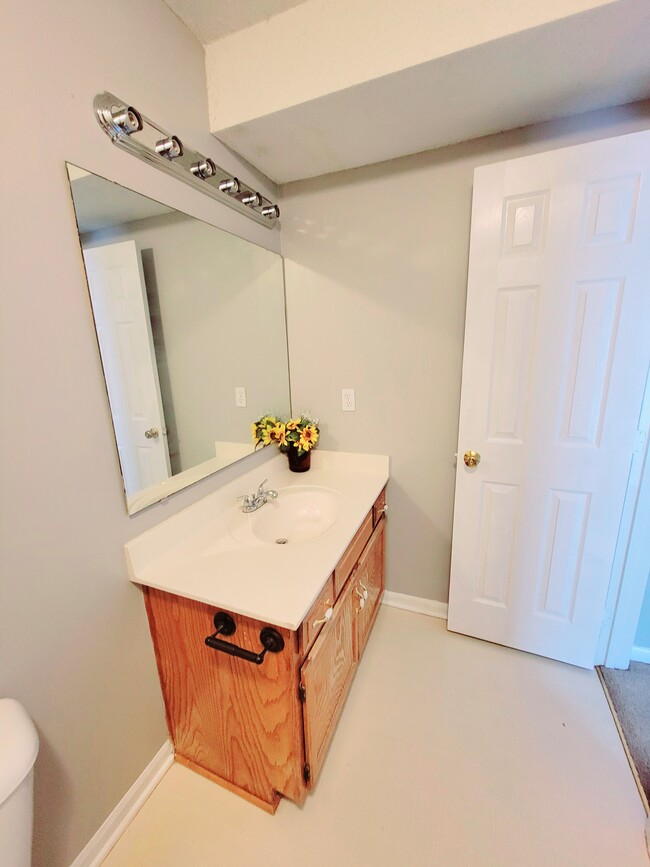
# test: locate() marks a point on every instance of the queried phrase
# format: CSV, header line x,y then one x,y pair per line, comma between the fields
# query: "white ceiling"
x,y
210,20
331,86
101,204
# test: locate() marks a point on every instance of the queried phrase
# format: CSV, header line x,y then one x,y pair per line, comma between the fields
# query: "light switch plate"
x,y
240,395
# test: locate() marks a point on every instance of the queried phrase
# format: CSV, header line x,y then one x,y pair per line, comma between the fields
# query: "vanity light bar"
x,y
122,123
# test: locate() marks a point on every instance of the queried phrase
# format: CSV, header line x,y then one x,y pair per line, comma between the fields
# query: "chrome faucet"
x,y
253,502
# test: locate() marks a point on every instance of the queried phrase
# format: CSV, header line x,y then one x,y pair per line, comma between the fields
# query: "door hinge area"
x,y
306,772
302,693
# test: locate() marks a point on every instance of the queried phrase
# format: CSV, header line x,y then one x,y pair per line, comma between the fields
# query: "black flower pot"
x,y
298,463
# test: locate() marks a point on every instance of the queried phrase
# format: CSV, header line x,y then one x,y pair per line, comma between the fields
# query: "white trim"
x,y
98,847
632,558
640,654
430,607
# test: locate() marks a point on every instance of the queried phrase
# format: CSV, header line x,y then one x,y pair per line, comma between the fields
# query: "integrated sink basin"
x,y
211,552
299,514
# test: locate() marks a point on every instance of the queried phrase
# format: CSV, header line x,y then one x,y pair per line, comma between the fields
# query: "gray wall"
x,y
222,309
376,279
74,643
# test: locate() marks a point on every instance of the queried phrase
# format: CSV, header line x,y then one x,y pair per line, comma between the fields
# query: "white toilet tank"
x,y
18,751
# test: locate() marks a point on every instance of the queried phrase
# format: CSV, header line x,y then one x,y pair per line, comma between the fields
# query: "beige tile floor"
x,y
451,752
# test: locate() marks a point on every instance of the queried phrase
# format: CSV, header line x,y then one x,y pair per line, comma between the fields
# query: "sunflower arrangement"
x,y
298,433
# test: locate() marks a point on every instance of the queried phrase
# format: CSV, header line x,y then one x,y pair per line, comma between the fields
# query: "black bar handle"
x,y
271,640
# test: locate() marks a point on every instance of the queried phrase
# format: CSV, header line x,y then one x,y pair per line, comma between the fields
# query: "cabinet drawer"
x,y
379,508
316,619
348,561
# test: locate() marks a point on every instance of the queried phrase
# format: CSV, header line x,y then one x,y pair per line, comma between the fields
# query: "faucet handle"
x,y
265,492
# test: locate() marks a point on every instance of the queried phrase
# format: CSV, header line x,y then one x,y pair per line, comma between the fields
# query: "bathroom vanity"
x,y
255,707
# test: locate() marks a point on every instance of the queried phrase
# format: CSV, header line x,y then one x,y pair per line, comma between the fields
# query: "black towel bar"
x,y
271,640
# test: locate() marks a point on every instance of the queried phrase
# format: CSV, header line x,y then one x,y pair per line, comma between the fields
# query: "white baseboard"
x,y
431,607
640,654
107,836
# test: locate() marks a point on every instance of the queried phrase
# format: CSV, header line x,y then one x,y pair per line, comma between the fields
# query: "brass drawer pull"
x,y
327,616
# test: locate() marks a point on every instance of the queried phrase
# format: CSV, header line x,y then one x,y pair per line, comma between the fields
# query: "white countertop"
x,y
193,553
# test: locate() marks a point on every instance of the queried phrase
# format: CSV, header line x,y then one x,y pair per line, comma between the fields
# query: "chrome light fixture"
x,y
230,185
253,200
120,121
127,119
170,147
204,168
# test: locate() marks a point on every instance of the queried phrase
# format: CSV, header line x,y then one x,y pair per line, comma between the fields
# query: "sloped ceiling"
x,y
213,19
324,87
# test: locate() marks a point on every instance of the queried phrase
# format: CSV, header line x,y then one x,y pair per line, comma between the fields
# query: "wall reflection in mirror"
x,y
190,323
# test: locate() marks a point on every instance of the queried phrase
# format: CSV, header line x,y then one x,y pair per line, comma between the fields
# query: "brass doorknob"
x,y
152,434
471,458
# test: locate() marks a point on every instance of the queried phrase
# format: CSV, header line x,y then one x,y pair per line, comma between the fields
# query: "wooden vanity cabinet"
x,y
319,614
352,553
380,508
327,673
325,678
237,723
368,583
263,730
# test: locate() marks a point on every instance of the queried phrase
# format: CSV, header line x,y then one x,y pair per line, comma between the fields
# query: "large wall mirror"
x,y
191,329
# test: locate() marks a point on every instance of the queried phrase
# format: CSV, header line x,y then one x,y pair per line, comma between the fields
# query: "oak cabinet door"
x,y
326,676
368,584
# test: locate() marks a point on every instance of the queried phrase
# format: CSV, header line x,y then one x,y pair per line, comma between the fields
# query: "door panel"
x,y
121,312
516,314
498,511
557,345
594,322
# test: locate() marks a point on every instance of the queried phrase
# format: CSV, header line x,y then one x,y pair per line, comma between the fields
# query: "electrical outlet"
x,y
240,395
348,403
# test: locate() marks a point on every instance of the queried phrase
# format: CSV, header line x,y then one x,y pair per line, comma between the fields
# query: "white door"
x,y
557,346
123,327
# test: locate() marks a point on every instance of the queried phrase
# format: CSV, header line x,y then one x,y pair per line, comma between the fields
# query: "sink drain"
x,y
281,541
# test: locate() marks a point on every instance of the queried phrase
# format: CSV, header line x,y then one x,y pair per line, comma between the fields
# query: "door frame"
x,y
631,566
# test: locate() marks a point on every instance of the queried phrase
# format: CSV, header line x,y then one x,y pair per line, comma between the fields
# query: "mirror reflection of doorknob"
x,y
152,434
471,458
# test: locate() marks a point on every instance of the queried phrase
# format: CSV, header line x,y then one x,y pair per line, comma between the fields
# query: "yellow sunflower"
x,y
278,434
293,423
308,437
255,435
